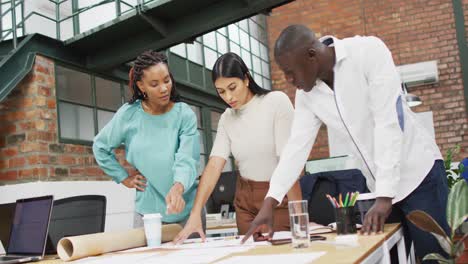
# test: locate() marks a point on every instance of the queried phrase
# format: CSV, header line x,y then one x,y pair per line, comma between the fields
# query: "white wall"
x,y
120,200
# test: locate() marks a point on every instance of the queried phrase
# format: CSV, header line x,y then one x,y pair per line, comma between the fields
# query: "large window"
x,y
246,38
86,103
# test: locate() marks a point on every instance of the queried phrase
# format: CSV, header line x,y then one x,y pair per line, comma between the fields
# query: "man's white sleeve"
x,y
303,132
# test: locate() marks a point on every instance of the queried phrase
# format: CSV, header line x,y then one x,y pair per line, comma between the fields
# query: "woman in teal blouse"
x,y
161,142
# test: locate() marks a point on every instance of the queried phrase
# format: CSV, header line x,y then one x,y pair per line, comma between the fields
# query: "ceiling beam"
x,y
209,18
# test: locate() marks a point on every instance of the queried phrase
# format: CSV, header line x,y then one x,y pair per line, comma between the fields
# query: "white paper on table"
x,y
118,258
296,258
214,243
196,256
282,235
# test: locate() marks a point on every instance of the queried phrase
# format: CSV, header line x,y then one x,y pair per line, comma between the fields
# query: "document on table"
x,y
193,249
118,258
214,243
296,258
195,256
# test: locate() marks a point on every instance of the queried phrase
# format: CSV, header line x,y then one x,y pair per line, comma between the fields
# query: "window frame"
x,y
93,105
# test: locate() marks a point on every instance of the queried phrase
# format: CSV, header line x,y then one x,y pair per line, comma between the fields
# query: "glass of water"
x,y
299,220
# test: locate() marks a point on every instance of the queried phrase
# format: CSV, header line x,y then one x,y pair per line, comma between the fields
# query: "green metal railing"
x,y
76,11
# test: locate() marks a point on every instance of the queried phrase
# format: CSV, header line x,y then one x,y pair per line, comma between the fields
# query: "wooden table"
x,y
370,249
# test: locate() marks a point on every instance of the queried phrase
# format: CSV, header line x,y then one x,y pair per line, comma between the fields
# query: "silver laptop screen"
x,y
30,226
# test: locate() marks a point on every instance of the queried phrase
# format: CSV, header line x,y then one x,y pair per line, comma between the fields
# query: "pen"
x,y
345,204
340,199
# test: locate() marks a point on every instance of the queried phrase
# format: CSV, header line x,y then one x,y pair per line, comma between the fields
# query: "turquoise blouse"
x,y
164,148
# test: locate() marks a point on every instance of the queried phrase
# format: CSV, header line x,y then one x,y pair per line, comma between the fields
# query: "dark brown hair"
x,y
231,65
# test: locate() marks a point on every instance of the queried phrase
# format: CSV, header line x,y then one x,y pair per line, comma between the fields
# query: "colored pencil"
x,y
331,200
345,204
356,194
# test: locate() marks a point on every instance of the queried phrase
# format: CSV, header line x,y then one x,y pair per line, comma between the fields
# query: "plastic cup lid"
x,y
150,216
366,196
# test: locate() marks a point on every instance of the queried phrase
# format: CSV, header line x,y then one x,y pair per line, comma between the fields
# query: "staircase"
x,y
150,24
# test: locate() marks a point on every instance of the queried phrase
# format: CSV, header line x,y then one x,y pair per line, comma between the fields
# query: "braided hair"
x,y
142,62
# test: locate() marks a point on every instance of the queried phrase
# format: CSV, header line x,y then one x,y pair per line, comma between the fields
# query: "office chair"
x,y
73,216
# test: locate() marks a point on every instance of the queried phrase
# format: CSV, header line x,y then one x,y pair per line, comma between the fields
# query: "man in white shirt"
x,y
353,87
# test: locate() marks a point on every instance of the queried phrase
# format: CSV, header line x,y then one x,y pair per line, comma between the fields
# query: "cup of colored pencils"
x,y
344,212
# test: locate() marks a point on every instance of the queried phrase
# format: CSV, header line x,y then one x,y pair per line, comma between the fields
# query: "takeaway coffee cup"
x,y
153,226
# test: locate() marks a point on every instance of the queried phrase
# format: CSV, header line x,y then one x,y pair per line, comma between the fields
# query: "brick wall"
x,y
415,31
29,146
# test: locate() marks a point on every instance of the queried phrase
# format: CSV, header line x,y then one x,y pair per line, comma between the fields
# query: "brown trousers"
x,y
248,201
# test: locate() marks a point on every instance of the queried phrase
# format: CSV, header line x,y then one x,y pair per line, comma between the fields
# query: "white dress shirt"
x,y
368,108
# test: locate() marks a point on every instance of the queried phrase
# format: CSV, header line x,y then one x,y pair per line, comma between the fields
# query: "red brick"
x,y
40,101
39,78
43,90
77,171
42,69
7,128
26,126
10,152
3,164
75,149
33,147
9,175
16,162
66,160
51,103
41,136
25,173
93,171
32,160
40,125
13,116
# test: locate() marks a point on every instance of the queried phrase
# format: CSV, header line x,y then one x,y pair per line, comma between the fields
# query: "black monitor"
x,y
223,193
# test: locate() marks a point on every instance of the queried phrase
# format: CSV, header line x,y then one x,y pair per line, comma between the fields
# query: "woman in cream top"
x,y
254,129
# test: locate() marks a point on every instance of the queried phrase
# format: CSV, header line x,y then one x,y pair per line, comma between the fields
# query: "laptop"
x,y
29,230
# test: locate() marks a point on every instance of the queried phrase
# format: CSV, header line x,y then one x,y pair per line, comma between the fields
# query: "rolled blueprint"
x,y
76,247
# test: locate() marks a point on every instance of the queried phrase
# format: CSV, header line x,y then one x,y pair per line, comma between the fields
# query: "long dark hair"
x,y
142,62
230,65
